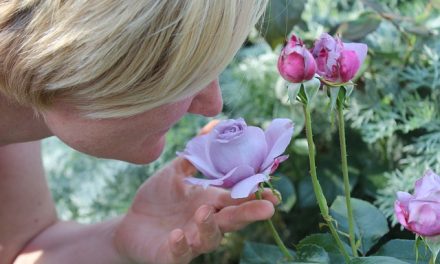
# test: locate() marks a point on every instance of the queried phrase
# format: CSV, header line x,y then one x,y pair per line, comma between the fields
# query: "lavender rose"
x,y
238,157
420,212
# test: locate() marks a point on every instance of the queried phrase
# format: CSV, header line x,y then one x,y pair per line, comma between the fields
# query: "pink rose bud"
x,y
338,62
296,64
420,212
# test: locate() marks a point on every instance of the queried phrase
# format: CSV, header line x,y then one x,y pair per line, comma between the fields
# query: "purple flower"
x,y
296,64
420,212
237,156
338,62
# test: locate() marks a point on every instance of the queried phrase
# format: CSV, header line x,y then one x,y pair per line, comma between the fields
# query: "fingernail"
x,y
208,215
180,239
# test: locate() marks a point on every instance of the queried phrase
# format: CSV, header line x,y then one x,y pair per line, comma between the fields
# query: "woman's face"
x,y
137,139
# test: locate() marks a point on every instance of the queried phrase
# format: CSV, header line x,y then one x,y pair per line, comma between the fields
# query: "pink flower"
x,y
234,155
420,213
338,62
296,64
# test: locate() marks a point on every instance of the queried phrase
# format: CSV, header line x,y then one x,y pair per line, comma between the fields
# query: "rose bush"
x,y
296,64
236,156
420,212
338,62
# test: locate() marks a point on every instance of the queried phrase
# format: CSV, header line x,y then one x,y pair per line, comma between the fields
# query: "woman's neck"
x,y
19,123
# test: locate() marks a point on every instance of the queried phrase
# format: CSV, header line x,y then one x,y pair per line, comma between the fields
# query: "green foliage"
x,y
375,260
405,250
279,18
397,110
326,242
311,253
257,253
369,223
288,194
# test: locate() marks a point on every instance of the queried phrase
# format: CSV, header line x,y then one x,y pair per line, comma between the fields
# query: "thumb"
x,y
208,127
183,167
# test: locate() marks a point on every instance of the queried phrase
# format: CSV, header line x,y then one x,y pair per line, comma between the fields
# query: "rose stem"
x,y
322,202
343,147
275,234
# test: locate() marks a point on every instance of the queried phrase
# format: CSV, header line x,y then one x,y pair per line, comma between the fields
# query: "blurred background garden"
x,y
393,122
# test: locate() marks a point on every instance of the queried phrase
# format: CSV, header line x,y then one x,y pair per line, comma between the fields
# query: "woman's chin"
x,y
148,153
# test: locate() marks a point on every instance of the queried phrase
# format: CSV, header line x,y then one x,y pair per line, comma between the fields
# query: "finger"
x,y
224,199
179,248
184,167
209,232
208,127
233,218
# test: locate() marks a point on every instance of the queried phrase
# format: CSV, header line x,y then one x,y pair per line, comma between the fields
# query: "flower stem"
x,y
343,147
431,260
322,202
275,235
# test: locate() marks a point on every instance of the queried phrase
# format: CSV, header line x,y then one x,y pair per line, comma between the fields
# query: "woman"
x,y
110,78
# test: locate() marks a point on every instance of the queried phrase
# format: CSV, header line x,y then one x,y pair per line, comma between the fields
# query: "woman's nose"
x,y
209,101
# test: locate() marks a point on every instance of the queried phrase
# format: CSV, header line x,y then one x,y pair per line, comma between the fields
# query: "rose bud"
x,y
338,62
296,64
238,157
420,212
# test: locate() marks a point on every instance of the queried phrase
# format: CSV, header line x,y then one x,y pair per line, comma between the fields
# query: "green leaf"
x,y
287,190
292,91
279,19
348,89
327,242
433,244
330,179
300,146
359,28
376,260
311,88
405,250
259,253
334,92
370,224
309,253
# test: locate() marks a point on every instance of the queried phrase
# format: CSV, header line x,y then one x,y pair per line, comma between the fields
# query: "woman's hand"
x,y
172,222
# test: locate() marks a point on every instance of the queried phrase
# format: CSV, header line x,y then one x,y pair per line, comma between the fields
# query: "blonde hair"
x,y
117,58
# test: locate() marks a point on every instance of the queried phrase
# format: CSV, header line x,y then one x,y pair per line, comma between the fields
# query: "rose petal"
x,y
247,186
430,182
196,152
278,136
229,130
250,149
277,162
239,173
296,64
404,198
205,183
360,49
348,65
401,214
424,218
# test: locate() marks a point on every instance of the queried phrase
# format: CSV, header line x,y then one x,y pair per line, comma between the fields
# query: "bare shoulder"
x,y
19,158
26,204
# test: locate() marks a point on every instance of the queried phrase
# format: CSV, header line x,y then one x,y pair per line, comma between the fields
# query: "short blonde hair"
x,y
117,58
